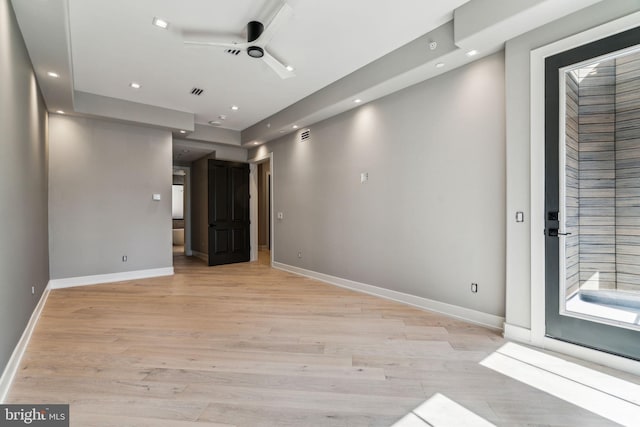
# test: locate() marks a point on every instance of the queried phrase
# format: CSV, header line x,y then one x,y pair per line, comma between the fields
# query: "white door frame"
x,y
253,191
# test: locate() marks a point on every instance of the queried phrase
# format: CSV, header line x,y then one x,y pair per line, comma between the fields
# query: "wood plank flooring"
x,y
246,345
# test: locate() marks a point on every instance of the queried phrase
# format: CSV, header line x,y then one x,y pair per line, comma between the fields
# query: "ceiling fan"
x,y
258,36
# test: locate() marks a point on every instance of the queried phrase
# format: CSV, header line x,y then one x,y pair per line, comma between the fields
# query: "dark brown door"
x,y
228,212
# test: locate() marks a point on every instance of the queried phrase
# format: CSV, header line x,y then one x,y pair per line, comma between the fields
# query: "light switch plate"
x,y
156,196
519,216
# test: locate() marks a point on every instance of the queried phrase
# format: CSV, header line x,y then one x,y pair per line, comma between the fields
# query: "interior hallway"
x,y
248,345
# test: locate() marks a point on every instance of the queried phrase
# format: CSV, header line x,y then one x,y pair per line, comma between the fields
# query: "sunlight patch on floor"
x,y
439,411
602,394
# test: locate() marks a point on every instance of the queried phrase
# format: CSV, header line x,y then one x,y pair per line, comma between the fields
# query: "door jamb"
x,y
253,191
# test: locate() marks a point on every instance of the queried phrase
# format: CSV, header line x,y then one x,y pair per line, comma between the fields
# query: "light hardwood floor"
x,y
247,345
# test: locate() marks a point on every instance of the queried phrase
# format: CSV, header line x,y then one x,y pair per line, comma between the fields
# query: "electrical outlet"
x,y
474,288
300,254
124,258
33,290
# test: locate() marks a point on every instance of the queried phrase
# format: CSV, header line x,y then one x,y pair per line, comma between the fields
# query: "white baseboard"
x,y
517,333
201,255
16,357
467,314
109,278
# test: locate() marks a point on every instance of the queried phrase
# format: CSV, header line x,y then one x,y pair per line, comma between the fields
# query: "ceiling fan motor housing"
x,y
254,30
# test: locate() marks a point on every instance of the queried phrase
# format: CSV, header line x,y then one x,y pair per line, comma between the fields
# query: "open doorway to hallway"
x,y
178,211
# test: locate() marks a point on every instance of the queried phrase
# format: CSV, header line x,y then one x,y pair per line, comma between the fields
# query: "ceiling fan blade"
x,y
240,46
209,35
284,14
277,66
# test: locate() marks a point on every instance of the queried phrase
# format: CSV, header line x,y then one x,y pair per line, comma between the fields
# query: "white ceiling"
x,y
341,50
114,43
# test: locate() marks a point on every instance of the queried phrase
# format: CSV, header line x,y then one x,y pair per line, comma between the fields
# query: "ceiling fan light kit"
x,y
255,51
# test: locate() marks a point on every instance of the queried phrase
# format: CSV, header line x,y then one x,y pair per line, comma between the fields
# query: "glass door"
x,y
592,195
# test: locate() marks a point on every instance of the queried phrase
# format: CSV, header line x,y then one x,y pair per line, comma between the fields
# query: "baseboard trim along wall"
x,y
467,314
202,256
109,278
16,357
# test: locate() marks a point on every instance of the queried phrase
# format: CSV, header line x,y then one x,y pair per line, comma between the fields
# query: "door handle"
x,y
554,232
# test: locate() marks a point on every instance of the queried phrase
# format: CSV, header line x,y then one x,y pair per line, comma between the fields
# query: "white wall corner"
x,y
71,282
517,333
16,357
473,316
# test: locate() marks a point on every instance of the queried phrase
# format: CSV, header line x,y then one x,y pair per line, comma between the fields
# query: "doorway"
x,y
592,195
180,211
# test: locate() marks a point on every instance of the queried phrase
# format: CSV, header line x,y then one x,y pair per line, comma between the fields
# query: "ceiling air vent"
x,y
305,135
233,51
196,91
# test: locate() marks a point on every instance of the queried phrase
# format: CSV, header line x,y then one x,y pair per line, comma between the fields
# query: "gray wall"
x,y
102,176
430,220
24,259
518,111
263,204
199,206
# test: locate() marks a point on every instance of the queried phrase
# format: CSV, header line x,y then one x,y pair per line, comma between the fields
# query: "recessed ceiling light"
x,y
472,52
440,65
235,108
52,74
256,143
290,68
135,85
60,112
282,131
357,101
222,117
183,131
159,22
295,126
215,123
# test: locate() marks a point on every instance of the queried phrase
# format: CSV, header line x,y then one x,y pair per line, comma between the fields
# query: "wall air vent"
x,y
196,91
305,135
233,51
